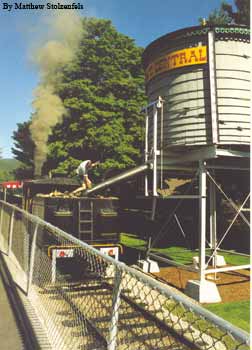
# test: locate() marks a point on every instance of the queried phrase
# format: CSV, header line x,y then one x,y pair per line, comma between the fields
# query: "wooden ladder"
x,y
86,223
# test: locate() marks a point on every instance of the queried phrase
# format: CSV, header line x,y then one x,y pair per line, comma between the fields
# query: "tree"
x,y
227,15
103,91
23,150
242,15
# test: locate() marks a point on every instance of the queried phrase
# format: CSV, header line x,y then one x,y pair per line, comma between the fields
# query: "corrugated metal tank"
x,y
203,75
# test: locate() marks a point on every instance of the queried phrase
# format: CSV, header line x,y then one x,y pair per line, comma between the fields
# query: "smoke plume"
x,y
64,34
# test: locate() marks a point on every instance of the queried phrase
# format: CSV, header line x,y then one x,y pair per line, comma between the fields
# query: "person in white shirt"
x,y
83,170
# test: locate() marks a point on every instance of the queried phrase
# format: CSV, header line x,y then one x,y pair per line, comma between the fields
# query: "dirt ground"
x,y
232,286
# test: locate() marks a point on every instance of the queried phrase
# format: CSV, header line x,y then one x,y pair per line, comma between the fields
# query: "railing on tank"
x,y
90,301
154,147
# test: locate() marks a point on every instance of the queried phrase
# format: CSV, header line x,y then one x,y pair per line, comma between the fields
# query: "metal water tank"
x,y
203,76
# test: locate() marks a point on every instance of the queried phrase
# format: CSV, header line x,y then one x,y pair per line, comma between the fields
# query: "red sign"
x,y
12,184
65,253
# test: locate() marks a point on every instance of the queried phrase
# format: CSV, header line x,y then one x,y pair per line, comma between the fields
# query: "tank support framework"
x,y
195,160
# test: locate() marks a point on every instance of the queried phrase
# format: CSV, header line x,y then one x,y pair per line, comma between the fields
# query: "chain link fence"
x,y
87,300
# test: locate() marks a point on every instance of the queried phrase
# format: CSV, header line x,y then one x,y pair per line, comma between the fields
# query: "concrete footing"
x,y
148,265
203,291
219,260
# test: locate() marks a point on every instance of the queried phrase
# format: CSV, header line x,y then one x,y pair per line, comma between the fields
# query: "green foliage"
x,y
8,164
5,176
23,151
227,15
242,14
103,91
7,169
219,16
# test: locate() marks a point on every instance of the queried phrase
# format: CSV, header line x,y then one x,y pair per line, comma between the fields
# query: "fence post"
x,y
115,309
11,232
54,257
1,217
32,257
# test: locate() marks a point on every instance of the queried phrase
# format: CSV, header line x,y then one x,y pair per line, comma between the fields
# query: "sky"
x,y
21,30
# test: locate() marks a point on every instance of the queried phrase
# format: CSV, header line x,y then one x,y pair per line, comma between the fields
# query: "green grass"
x,y
207,327
179,254
130,240
232,259
236,313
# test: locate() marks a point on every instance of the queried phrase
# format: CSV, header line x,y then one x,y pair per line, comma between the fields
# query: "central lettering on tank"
x,y
177,59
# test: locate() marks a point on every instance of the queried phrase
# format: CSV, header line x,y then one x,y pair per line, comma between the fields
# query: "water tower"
x,y
198,119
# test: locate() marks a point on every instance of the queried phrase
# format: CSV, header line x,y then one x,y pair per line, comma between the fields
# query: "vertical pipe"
x,y
161,145
148,248
153,213
146,153
213,234
115,309
5,194
11,231
213,230
202,219
213,90
155,150
32,258
153,209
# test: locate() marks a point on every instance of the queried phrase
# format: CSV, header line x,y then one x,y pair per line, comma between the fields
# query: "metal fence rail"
x,y
90,301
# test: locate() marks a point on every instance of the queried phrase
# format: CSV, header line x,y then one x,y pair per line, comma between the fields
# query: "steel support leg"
x,y
213,233
213,228
202,220
146,184
155,114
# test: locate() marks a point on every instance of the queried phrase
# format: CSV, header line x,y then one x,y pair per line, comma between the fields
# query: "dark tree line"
x,y
226,14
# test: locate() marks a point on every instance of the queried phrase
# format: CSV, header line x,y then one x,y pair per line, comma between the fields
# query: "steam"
x,y
64,34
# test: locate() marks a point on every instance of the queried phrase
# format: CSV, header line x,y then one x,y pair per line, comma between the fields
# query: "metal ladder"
x,y
86,223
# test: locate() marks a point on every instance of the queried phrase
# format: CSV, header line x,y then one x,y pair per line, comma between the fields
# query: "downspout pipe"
x,y
119,178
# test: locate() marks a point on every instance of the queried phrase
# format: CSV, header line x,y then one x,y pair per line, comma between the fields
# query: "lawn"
x,y
130,240
236,313
179,254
